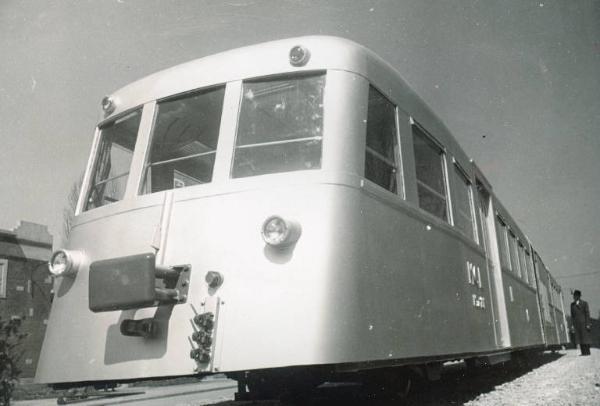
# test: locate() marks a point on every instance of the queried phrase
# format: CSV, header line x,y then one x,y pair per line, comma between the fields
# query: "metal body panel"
x,y
336,296
523,316
404,287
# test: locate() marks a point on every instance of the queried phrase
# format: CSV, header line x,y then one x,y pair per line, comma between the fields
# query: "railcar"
x,y
285,212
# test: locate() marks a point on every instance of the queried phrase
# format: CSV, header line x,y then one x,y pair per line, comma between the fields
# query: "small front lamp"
x,y
279,232
65,263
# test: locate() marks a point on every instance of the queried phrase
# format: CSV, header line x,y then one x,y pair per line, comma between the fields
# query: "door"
x,y
488,239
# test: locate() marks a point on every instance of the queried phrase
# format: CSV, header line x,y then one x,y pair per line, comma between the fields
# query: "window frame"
x,y
3,277
532,278
522,263
442,151
148,141
470,198
514,252
88,180
322,73
397,165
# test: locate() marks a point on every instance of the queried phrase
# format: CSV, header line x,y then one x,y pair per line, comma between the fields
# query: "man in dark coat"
x,y
580,318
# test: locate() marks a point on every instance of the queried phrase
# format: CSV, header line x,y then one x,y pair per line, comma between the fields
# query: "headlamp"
x,y
64,263
279,232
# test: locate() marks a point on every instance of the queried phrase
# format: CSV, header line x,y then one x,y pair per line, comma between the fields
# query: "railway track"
x,y
457,386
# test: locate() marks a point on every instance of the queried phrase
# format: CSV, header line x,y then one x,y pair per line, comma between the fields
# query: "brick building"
x,y
26,286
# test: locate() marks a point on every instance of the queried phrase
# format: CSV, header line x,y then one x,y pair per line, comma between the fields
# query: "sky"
x,y
516,81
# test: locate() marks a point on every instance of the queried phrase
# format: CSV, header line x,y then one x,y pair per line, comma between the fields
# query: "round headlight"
x,y
64,263
299,55
278,232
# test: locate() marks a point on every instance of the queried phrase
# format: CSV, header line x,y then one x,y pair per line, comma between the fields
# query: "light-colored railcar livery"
x,y
287,211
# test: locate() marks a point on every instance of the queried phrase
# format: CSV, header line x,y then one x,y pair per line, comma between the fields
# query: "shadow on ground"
x,y
457,386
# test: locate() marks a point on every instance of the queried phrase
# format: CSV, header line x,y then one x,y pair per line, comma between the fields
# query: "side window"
x,y
514,256
113,161
546,300
431,181
530,269
382,151
463,204
280,126
502,243
184,141
522,263
3,277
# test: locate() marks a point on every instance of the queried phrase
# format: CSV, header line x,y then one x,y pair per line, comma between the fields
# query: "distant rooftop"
x,y
27,240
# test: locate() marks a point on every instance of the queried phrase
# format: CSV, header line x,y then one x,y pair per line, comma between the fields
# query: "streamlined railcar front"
x,y
212,223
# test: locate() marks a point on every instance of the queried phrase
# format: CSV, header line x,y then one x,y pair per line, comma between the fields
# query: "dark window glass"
x,y
513,254
280,126
522,264
113,161
463,205
530,269
429,163
381,156
184,141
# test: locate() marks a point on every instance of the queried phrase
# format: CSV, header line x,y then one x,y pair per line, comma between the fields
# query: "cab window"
x,y
184,141
280,126
382,152
113,161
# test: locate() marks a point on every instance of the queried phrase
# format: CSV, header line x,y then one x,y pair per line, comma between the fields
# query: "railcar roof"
x,y
272,58
246,62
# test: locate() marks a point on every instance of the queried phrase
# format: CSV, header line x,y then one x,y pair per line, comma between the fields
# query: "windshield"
x,y
279,129
111,170
184,141
280,126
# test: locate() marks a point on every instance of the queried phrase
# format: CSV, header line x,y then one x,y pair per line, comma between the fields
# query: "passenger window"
x,y
463,204
502,243
184,141
522,263
382,152
530,269
280,126
431,183
546,301
113,161
514,256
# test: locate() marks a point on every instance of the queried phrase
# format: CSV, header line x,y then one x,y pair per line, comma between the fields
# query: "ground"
x,y
568,380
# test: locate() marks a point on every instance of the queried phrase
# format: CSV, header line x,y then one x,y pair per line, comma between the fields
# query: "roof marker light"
x,y
108,105
299,55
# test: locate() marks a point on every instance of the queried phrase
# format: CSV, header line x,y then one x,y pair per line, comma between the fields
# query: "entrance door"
x,y
488,238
